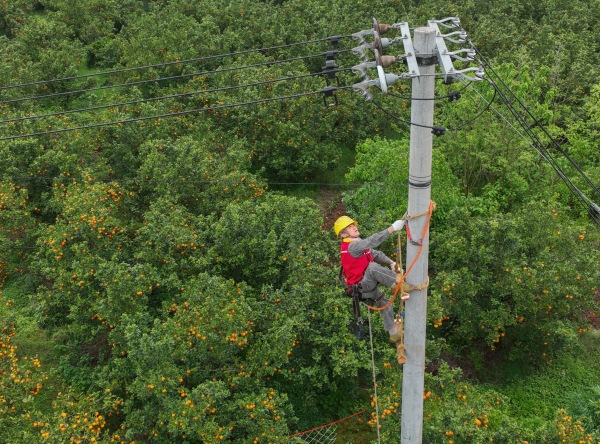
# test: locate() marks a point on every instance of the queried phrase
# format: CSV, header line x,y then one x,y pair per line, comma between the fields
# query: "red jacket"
x,y
354,268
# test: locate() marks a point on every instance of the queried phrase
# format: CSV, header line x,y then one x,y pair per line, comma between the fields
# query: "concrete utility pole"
x,y
419,194
428,51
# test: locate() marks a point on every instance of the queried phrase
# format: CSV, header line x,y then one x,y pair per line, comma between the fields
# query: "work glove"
x,y
393,266
399,224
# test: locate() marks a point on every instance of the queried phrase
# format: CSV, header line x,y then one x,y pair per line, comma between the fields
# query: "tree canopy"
x,y
156,245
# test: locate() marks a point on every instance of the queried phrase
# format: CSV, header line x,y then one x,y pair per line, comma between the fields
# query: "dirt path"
x,y
331,206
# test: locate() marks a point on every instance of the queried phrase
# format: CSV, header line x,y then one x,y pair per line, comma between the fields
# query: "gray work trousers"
x,y
376,274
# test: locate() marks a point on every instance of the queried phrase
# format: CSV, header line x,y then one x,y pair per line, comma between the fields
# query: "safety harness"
x,y
354,291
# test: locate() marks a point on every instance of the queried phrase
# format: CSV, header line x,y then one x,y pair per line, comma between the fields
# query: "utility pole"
x,y
419,194
428,51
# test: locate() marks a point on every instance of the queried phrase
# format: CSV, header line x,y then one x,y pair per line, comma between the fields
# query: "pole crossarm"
x,y
409,50
372,55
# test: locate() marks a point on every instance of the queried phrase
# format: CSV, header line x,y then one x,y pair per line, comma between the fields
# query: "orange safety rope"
x,y
400,284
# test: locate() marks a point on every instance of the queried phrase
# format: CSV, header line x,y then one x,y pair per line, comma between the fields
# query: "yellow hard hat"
x,y
341,223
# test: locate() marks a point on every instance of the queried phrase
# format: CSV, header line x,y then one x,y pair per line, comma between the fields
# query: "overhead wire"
x,y
468,122
537,123
176,62
528,129
446,96
203,181
330,90
170,96
532,137
165,115
457,128
160,79
533,140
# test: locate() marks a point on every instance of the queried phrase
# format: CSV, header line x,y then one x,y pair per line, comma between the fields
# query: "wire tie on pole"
x,y
334,40
438,130
328,92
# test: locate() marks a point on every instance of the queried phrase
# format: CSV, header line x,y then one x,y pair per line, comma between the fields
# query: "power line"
x,y
451,95
332,39
437,130
159,79
160,116
538,124
535,143
204,181
171,96
468,122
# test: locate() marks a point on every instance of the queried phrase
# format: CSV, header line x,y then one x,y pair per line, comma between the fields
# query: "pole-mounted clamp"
x,y
438,130
470,52
426,59
448,22
329,93
330,70
334,40
462,36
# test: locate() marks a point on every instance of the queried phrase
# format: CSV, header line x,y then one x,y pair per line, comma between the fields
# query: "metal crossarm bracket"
x,y
444,58
409,50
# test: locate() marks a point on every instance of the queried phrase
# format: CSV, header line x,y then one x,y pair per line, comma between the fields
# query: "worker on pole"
x,y
367,268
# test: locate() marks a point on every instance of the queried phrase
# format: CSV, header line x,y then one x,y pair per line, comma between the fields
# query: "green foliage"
x,y
267,241
20,381
513,294
382,165
17,227
186,376
203,176
189,302
275,246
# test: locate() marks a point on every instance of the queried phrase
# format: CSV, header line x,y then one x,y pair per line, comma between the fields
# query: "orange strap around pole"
x,y
400,284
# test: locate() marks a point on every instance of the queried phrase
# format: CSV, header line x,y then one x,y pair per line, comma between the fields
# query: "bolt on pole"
x,y
419,195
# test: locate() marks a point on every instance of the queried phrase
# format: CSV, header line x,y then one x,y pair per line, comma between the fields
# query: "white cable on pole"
x,y
374,378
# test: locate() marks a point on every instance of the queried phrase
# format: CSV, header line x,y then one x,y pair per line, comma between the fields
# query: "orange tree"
x,y
238,309
17,227
517,285
21,379
275,246
187,376
241,351
201,172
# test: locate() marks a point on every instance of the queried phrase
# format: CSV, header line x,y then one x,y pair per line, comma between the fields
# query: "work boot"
x,y
400,353
397,337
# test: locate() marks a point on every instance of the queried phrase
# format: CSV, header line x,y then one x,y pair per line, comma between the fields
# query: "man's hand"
x,y
398,225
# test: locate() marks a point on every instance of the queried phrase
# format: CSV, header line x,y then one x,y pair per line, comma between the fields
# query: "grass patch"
x,y
565,383
326,181
337,174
